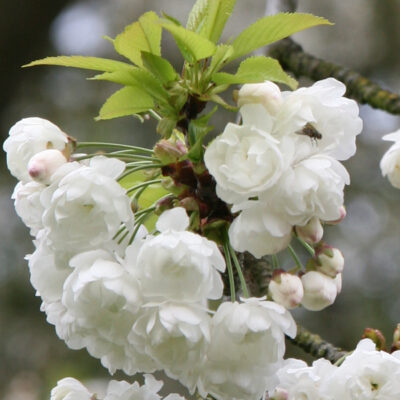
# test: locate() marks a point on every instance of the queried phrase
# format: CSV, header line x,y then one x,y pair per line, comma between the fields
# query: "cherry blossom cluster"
x,y
280,168
365,374
138,305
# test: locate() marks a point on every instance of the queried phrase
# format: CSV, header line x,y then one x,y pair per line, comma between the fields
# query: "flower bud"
x,y
338,283
319,291
376,336
390,163
43,164
311,232
280,394
342,213
267,93
396,339
168,152
330,261
286,289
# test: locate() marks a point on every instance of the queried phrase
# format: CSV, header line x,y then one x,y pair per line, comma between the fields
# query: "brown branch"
x,y
313,344
294,59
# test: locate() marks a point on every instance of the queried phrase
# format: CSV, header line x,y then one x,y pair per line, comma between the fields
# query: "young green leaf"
x,y
272,28
93,63
143,35
224,51
138,78
218,12
256,69
192,46
127,101
159,67
197,16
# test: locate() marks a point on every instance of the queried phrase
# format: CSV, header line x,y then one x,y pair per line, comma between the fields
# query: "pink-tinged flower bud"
x,y
169,152
280,394
396,339
267,94
43,164
330,261
338,283
376,336
342,216
286,289
319,291
311,232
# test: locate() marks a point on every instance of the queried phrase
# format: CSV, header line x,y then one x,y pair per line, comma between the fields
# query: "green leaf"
x,y
197,15
198,129
171,19
127,101
159,67
138,78
218,12
192,46
93,63
143,35
256,69
272,28
224,51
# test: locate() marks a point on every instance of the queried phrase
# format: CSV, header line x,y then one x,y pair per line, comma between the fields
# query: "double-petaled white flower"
x,y
85,206
246,349
28,137
390,163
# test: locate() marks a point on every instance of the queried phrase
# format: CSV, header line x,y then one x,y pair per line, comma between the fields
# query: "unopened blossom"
x,y
244,161
28,137
266,93
330,261
320,290
286,289
70,389
28,206
366,374
98,307
299,381
43,165
246,349
179,265
334,117
390,163
175,336
311,232
87,206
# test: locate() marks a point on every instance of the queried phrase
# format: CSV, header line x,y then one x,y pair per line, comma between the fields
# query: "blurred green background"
x,y
366,37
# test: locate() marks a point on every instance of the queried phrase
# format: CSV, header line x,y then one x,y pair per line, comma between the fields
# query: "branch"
x,y
293,58
313,344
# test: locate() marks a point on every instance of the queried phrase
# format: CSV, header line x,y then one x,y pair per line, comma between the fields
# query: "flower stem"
x,y
309,248
80,145
299,265
239,271
275,261
143,184
230,270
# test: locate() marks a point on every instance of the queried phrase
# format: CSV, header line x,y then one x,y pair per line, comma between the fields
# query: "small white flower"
x,y
179,265
175,336
267,94
99,304
246,349
27,204
244,161
320,290
366,374
323,106
70,389
330,261
43,165
28,137
86,207
299,381
390,163
286,289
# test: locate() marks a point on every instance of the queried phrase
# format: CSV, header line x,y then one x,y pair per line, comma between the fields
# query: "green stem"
x,y
155,115
299,265
120,230
138,168
145,211
309,248
275,261
138,224
143,184
230,270
80,145
239,271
